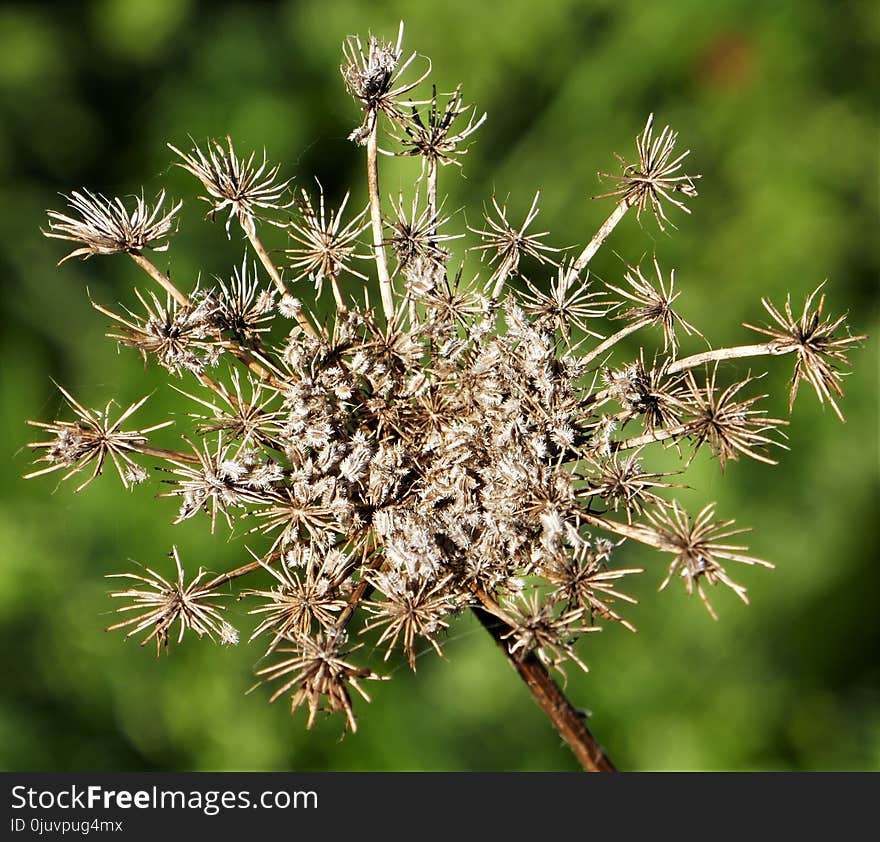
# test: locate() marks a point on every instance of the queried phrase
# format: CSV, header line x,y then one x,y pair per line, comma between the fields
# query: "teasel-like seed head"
x,y
306,597
583,580
432,139
325,248
652,304
622,482
181,337
412,608
106,226
505,245
416,239
656,178
730,425
539,627
646,392
566,306
242,307
158,603
217,483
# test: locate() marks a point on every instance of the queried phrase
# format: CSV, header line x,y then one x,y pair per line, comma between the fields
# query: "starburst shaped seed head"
x,y
316,669
820,345
433,139
245,187
106,226
162,602
652,304
698,547
372,76
90,441
657,176
325,248
728,423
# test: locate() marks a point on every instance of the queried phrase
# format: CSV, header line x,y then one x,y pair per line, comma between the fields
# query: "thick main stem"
x,y
376,221
567,721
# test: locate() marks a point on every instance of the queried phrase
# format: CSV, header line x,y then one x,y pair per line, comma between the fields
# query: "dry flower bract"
x,y
467,444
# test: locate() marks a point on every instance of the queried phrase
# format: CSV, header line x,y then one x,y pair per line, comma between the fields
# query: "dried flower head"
x,y
106,226
162,603
241,308
729,424
539,628
465,446
177,336
412,608
698,546
417,242
244,186
432,139
505,245
652,304
372,77
325,247
90,440
319,675
812,337
656,176
304,599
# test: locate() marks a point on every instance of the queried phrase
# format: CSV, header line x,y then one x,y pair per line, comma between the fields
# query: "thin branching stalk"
x,y
605,229
611,341
762,349
376,221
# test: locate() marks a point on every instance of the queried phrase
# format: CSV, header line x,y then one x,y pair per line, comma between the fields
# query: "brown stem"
x,y
223,578
568,722
170,455
762,349
432,191
663,434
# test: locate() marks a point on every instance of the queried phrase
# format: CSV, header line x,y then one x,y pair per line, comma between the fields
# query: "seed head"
x,y
90,441
106,226
244,186
372,77
818,349
161,603
656,177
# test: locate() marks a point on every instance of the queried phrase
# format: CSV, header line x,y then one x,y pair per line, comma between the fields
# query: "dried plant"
x,y
467,446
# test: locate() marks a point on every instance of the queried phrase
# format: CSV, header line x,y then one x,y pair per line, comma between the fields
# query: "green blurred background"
x,y
778,102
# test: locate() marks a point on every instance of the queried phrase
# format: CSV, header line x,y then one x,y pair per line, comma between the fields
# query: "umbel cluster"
x,y
442,442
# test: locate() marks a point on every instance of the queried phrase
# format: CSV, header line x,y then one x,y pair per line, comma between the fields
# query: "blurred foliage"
x,y
778,103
